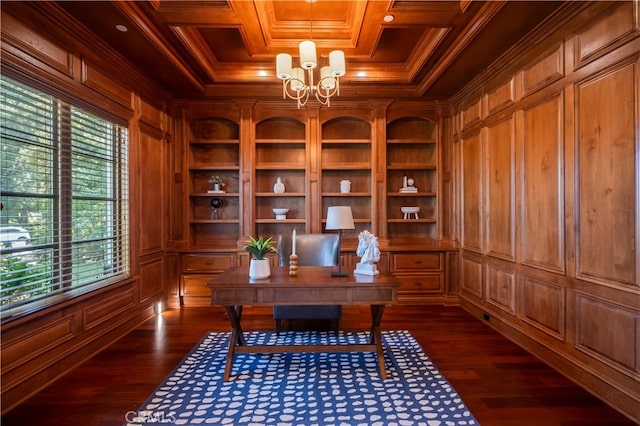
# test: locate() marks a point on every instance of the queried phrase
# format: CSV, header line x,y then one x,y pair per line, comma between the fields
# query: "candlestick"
x,y
293,242
293,265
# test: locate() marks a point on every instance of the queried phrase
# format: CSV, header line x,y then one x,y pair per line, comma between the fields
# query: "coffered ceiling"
x,y
227,47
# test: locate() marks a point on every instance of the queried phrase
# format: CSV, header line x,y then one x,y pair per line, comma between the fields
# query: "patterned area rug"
x,y
305,388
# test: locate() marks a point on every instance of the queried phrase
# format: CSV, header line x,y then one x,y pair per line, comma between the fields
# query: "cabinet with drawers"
x,y
422,274
196,270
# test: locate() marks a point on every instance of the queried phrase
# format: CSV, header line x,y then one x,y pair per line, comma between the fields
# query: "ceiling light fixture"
x,y
294,84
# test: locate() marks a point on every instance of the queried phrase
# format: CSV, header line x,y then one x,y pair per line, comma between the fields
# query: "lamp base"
x,y
339,274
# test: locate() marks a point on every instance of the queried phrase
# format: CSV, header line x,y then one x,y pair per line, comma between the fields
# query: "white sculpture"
x,y
369,253
278,188
408,185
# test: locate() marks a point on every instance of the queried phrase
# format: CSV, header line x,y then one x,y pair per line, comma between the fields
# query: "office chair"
x,y
312,250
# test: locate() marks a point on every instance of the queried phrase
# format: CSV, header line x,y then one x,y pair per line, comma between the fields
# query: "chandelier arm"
x,y
324,100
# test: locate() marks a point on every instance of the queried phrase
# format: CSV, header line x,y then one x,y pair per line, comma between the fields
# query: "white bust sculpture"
x,y
369,253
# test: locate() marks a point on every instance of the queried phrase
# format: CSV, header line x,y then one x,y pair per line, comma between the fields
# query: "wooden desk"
x,y
313,285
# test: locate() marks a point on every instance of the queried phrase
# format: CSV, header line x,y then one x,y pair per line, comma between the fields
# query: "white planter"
x,y
259,268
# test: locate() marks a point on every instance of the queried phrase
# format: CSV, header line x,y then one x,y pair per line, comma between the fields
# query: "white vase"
x,y
259,268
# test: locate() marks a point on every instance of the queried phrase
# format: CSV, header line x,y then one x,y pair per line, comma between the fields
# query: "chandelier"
x,y
298,86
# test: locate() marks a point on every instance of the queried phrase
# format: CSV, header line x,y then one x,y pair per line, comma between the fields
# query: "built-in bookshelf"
x,y
412,178
214,150
346,155
280,152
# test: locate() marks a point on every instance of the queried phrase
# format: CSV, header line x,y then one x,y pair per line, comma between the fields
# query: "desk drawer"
x,y
428,283
206,263
417,261
196,285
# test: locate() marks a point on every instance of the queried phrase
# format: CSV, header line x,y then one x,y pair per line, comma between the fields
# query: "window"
x,y
64,194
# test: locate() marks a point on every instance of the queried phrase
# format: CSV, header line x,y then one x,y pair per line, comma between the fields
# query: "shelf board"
x,y
216,167
280,166
216,194
280,221
347,166
280,141
346,194
411,141
411,166
411,194
202,141
411,220
281,194
355,220
346,141
213,221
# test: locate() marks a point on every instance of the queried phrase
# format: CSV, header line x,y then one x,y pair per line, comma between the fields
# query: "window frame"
x,y
60,240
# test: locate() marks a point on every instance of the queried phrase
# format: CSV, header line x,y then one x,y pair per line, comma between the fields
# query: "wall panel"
x,y
608,331
471,276
472,192
544,305
150,187
501,189
503,96
152,279
612,30
501,288
568,288
543,72
607,218
542,186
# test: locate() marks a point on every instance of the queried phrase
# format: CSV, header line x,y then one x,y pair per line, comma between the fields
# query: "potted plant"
x,y
259,266
217,183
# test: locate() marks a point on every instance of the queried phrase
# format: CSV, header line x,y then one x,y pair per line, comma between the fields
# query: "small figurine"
x,y
369,253
407,185
278,188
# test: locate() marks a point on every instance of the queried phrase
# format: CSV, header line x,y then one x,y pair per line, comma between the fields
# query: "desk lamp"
x,y
339,218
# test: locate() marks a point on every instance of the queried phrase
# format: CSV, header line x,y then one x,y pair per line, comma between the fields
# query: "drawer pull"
x,y
417,284
418,262
209,262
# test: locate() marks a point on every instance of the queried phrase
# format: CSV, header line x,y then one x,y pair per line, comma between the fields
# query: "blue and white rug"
x,y
305,388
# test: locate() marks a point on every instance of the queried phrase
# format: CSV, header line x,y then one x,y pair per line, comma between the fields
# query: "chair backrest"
x,y
312,249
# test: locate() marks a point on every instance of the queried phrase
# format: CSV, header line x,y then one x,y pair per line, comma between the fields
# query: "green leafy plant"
x,y
216,180
260,247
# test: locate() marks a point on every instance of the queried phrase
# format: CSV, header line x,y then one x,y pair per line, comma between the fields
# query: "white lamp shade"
x,y
297,79
283,66
339,217
308,54
337,63
326,79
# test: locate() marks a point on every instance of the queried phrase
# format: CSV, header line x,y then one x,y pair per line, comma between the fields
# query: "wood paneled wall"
x,y
40,346
549,178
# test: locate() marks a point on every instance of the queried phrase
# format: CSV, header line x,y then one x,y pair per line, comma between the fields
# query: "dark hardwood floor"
x,y
500,383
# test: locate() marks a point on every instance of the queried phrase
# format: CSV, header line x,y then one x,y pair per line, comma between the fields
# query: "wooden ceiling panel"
x,y
431,49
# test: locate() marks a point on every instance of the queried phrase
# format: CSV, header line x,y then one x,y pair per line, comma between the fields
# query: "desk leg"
x,y
237,337
375,337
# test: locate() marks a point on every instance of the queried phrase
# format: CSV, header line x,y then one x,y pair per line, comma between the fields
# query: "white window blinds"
x,y
64,195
